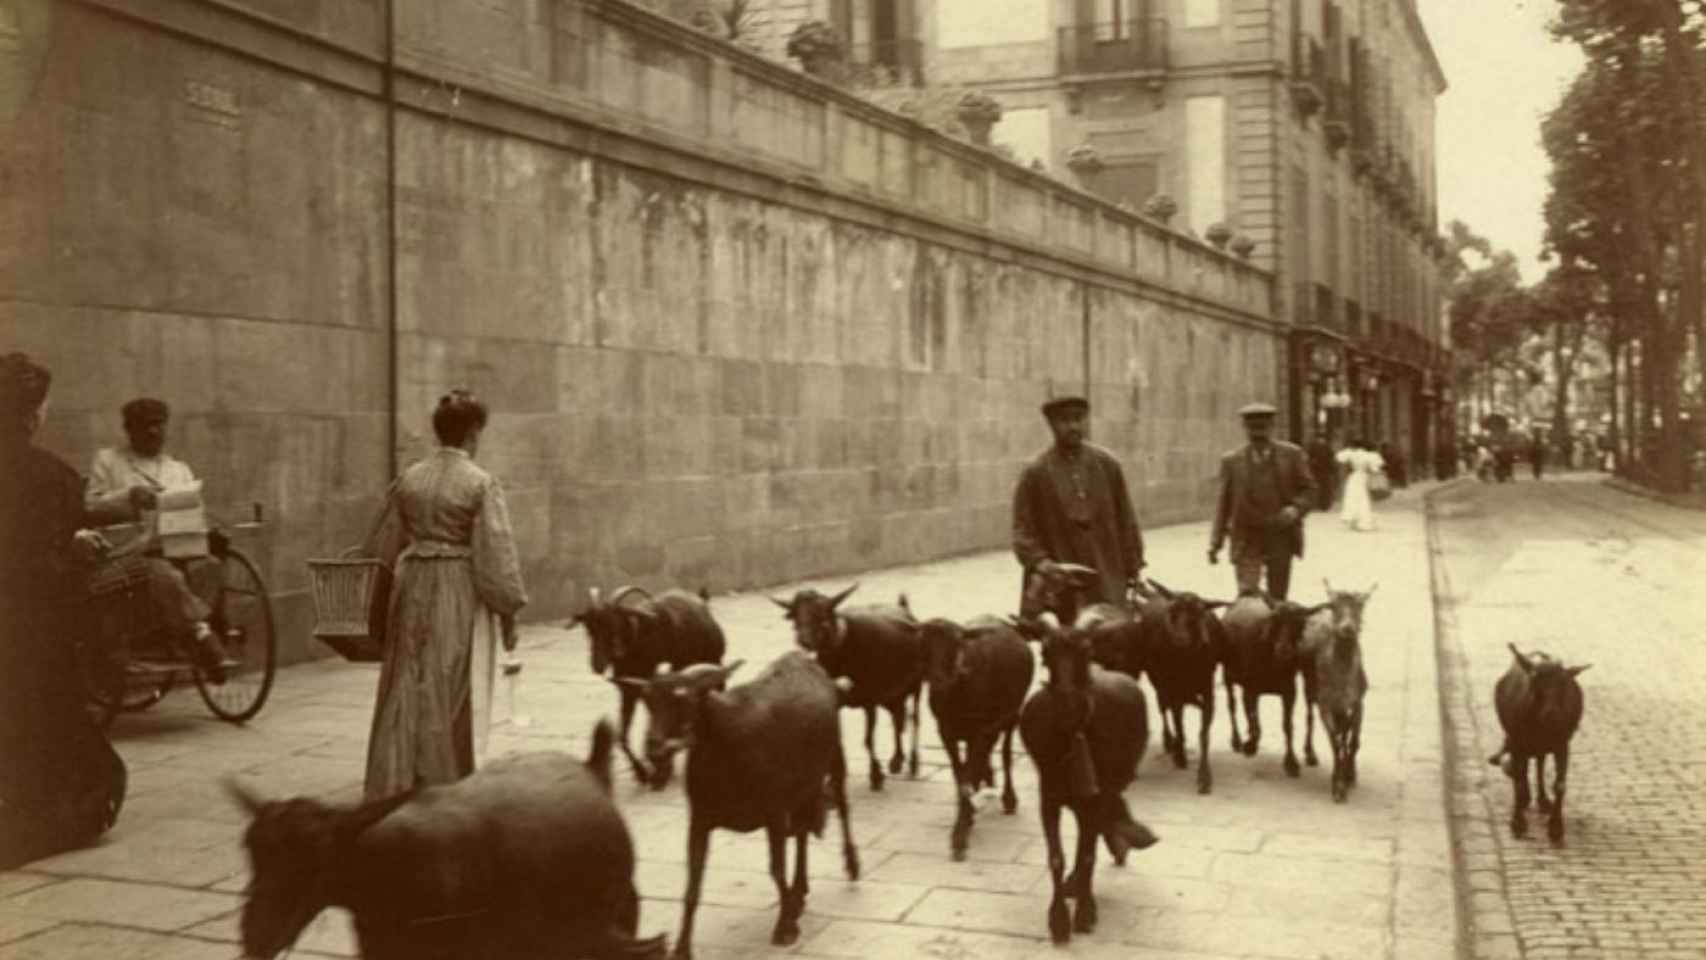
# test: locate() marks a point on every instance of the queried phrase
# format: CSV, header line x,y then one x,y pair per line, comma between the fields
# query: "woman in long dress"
x,y
457,586
1359,461
61,782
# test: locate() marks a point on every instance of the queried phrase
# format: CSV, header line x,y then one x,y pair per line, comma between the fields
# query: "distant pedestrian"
x,y
1397,468
1265,489
1072,506
1360,463
446,531
1320,453
1537,456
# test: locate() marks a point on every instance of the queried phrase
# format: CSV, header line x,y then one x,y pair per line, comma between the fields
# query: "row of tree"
x,y
1623,226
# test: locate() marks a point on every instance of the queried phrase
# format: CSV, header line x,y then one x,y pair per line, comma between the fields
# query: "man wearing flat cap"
x,y
1072,507
133,477
1265,489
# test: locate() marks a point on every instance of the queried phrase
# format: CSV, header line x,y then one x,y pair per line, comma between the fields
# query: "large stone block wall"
x,y
735,327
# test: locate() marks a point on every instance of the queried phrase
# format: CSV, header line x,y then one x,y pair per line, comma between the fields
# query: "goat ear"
x,y
352,823
1524,662
785,605
592,597
727,671
1370,591
247,799
836,600
1161,588
1576,671
1215,604
629,683
1319,607
1327,586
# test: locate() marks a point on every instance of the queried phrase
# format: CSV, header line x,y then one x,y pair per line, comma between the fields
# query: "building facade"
x,y
1306,126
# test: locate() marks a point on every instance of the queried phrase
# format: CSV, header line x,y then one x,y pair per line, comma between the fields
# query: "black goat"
x,y
1058,588
1540,706
527,857
979,675
632,640
1261,657
1086,730
1182,644
763,754
879,649
1334,681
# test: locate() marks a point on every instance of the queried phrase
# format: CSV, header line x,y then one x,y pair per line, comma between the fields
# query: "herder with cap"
x,y
1072,507
1265,489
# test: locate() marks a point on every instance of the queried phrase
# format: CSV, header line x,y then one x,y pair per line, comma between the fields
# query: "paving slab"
x,y
1225,880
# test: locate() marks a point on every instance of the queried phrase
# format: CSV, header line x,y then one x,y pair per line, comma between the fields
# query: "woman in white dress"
x,y
1359,461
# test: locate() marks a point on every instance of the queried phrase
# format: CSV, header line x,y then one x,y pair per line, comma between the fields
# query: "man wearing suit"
x,y
1265,489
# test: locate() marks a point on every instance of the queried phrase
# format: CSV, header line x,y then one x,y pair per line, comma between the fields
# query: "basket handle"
x,y
353,553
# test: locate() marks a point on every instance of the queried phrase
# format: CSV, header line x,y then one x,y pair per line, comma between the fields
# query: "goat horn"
x,y
1371,588
623,592
592,596
245,798
1326,585
835,601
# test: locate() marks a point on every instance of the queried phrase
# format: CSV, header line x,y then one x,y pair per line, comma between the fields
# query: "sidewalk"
x,y
1266,866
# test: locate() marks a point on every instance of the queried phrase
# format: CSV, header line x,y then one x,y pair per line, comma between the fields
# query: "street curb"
x,y
1636,490
1484,924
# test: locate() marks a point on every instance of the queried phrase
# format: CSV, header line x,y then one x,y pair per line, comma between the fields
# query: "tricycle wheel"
x,y
242,620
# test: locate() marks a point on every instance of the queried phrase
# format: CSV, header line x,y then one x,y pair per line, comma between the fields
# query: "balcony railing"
x,y
1302,305
1325,303
1132,46
892,63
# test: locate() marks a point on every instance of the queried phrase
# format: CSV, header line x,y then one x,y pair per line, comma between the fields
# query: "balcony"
x,y
1129,48
1326,314
1338,125
892,63
1308,74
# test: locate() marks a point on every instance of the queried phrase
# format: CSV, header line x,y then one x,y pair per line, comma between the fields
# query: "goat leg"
x,y
1542,802
1009,796
1232,709
1088,814
1205,776
642,771
1561,765
1252,720
897,716
1177,710
838,793
961,834
698,845
802,886
870,747
1288,700
1519,783
787,931
1059,917
917,724
1309,718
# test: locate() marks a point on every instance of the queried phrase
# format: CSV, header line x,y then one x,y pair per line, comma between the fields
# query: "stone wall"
x,y
735,326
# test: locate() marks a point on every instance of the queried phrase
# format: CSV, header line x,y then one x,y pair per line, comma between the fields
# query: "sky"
x,y
1505,74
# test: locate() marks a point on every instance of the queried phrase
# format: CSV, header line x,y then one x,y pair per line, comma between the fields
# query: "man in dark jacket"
x,y
1072,506
1265,490
1322,470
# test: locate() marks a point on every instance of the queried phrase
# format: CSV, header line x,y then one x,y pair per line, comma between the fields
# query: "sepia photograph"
x,y
847,479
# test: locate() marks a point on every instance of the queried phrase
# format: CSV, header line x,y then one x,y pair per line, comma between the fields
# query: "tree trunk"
x,y
1563,369
1614,433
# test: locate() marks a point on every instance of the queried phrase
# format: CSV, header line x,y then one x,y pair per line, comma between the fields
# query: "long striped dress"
x,y
447,535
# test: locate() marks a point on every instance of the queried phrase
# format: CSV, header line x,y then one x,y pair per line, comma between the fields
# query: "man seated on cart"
x,y
134,476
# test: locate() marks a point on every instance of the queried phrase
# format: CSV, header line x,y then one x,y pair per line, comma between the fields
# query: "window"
x,y
1202,13
1205,160
1111,18
991,22
1025,132
1131,181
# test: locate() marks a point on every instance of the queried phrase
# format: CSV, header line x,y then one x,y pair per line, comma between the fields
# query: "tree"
x,y
1488,311
1566,306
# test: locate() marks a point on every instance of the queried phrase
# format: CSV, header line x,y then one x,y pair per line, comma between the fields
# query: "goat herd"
x,y
529,856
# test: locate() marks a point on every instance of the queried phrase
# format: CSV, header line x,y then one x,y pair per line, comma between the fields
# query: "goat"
x,y
1261,657
979,675
876,647
764,754
1086,730
632,640
1182,644
1334,681
1540,706
527,857
1058,588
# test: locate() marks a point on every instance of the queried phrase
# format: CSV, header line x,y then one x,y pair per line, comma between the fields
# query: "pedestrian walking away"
x,y
1265,490
446,530
1072,506
1360,464
1321,471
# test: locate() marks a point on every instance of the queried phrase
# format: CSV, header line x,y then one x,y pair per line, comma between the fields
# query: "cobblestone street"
x,y
1590,575
1264,867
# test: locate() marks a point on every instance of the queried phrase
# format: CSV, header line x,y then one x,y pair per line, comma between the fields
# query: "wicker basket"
x,y
343,595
